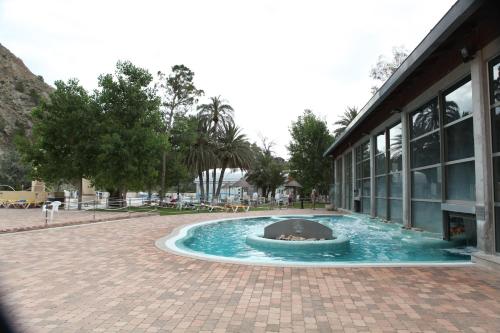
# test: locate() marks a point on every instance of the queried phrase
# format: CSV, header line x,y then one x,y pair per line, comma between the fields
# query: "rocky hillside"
x,y
20,92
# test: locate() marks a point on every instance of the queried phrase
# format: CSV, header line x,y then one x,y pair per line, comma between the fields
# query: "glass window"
x,y
461,181
380,143
396,210
366,150
366,169
424,119
396,148
381,207
426,184
495,128
425,151
497,227
365,205
366,188
495,81
380,186
427,215
380,164
395,185
460,140
496,172
458,103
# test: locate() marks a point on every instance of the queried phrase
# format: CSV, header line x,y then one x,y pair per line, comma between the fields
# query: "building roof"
x,y
230,176
436,45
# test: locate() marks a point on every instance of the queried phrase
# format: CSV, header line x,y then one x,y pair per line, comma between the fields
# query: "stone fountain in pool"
x,y
297,234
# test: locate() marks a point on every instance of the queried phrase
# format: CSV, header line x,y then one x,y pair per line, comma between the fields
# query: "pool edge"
x,y
162,245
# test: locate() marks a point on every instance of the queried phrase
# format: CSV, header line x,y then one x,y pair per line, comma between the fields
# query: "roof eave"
x,y
455,16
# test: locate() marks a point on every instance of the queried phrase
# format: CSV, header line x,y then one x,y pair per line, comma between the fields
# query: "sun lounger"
x,y
243,208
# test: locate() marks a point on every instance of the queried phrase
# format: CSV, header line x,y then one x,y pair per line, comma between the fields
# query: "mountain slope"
x,y
20,92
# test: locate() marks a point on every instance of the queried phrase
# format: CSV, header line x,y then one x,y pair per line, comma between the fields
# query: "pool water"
x,y
371,241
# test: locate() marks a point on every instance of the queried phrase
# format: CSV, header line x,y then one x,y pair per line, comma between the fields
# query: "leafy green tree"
x,y
132,135
309,140
182,136
65,140
267,171
13,171
233,151
179,95
344,120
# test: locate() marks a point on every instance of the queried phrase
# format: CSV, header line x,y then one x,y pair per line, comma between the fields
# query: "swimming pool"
x,y
371,242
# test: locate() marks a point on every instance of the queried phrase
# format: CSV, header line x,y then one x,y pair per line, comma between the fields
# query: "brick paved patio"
x,y
19,218
110,277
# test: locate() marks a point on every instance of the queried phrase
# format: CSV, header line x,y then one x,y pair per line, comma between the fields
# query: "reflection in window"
x,y
458,103
396,148
424,120
425,151
348,180
396,185
461,181
363,175
380,186
496,177
427,215
460,140
495,128
426,184
495,81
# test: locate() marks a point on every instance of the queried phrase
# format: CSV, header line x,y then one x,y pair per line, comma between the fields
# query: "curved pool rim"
x,y
167,244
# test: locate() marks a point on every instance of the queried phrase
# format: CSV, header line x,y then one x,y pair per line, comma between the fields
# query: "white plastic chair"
x,y
54,208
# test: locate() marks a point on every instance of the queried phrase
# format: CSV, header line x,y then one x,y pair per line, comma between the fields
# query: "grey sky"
x,y
269,59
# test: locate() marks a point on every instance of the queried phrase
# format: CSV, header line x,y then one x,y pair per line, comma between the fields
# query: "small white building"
x,y
227,190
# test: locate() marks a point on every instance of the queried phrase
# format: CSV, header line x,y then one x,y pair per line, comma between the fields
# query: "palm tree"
x,y
215,115
233,151
201,156
349,114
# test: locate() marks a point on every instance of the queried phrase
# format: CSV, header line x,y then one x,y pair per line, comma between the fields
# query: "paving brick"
x,y
109,277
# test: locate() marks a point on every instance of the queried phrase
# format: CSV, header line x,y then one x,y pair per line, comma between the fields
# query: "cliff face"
x,y
20,92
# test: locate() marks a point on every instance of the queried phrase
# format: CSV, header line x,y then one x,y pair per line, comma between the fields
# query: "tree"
x,y
233,151
267,171
310,138
201,155
384,68
13,172
180,94
215,115
132,134
65,136
349,114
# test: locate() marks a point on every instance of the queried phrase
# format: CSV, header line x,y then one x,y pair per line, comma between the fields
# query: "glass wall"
x,y
363,175
459,143
338,183
381,175
388,177
395,152
426,168
494,73
348,181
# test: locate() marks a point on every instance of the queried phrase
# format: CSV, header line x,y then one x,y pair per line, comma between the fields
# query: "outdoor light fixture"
x,y
466,55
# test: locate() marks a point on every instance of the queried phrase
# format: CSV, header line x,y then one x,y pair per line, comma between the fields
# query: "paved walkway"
x,y
11,218
110,277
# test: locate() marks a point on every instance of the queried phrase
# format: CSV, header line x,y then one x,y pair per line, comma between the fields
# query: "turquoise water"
x,y
371,241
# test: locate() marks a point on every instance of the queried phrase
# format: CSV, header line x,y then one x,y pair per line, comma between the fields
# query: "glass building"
x,y
424,152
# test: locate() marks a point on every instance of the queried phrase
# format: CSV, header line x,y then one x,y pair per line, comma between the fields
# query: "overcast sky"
x,y
269,59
